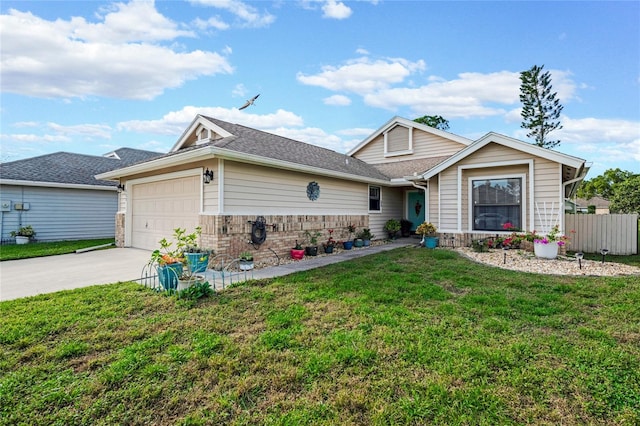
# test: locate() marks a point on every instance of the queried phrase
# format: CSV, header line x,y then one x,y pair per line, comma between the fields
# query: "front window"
x,y
374,198
496,202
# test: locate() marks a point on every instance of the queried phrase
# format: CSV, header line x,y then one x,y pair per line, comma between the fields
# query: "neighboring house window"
x,y
374,198
496,202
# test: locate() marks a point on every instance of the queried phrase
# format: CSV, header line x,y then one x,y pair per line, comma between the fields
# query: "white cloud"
x,y
87,130
336,10
114,58
23,137
213,22
174,122
337,100
362,75
248,15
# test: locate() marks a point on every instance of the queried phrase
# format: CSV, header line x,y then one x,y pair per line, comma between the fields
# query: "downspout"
x,y
564,187
426,197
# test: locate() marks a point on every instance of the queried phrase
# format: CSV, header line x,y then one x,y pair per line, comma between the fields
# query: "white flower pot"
x,y
22,240
546,251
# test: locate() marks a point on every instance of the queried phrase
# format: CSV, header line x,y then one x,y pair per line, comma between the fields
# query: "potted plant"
x,y
358,241
23,234
348,244
366,236
246,261
405,227
197,258
428,232
172,259
297,252
392,226
547,246
330,244
312,237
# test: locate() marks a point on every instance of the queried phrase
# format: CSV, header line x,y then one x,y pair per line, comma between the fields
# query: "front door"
x,y
415,208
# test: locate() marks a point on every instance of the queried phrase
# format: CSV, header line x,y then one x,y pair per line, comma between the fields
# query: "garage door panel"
x,y
160,207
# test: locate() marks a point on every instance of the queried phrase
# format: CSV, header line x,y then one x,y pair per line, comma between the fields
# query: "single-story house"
x,y
223,176
59,195
600,205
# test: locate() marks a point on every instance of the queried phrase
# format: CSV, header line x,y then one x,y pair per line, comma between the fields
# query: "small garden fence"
x,y
617,233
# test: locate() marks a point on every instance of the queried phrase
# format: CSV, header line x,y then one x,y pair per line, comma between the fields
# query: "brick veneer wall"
x,y
231,234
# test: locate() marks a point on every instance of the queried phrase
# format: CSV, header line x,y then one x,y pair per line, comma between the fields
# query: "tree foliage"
x,y
540,107
435,121
626,197
604,185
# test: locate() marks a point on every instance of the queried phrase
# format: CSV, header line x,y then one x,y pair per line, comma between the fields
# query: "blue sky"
x,y
90,77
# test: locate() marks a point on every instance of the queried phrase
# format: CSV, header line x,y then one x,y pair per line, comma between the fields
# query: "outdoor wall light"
x,y
120,187
580,256
207,176
603,252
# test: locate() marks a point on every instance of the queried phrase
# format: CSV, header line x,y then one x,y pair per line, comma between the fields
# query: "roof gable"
x,y
201,131
516,144
410,124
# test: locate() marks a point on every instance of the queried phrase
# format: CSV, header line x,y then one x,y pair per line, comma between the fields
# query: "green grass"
x,y
25,251
405,337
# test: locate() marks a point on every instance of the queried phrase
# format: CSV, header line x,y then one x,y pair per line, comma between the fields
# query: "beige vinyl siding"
x,y
425,145
449,200
433,216
392,203
373,152
549,205
210,190
250,189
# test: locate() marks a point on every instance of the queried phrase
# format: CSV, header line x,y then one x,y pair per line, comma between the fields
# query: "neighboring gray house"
x,y
60,197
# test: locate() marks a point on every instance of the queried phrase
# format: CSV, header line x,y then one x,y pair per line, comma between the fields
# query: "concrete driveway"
x,y
29,277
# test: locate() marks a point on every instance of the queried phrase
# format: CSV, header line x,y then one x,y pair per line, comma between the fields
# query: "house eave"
x,y
56,185
215,152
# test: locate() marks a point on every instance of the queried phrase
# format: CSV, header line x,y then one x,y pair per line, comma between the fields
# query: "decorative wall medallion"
x,y
313,191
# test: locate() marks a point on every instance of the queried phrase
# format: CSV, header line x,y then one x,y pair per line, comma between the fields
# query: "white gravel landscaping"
x,y
521,260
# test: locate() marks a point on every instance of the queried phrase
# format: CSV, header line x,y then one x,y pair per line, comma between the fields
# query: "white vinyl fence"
x,y
616,232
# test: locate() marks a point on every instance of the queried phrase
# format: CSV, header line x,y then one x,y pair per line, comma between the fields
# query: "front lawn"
x,y
410,336
39,249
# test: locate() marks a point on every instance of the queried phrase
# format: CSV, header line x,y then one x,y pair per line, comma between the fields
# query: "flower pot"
x,y
311,251
297,254
348,245
168,275
328,249
246,265
431,242
546,251
21,240
358,242
366,243
197,261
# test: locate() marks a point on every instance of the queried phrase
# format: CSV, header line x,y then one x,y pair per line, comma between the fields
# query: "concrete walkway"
x,y
29,277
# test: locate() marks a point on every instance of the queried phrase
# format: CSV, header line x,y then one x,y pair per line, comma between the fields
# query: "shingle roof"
x,y
256,142
401,169
70,168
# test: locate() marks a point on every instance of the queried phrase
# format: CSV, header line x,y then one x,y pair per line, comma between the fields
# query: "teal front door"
x,y
415,208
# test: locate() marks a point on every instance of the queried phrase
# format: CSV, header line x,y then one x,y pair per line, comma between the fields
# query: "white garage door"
x,y
157,208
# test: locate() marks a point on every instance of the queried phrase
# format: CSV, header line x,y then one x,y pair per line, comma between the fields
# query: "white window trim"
x,y
398,153
530,210
369,199
523,197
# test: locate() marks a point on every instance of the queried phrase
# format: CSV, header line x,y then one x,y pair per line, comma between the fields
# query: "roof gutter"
x,y
56,185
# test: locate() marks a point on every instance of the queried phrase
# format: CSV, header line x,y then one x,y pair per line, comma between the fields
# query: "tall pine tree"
x,y
540,108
